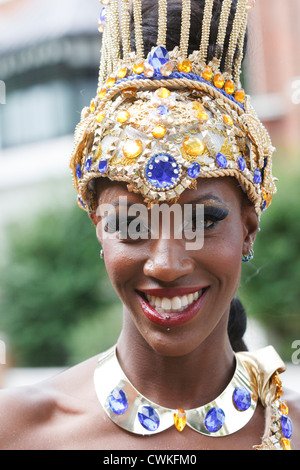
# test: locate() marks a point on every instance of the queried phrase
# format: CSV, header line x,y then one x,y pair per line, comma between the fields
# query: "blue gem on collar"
x,y
117,401
162,171
149,418
241,398
214,419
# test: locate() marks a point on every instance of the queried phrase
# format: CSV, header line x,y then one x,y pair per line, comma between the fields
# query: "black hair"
x,y
237,318
150,22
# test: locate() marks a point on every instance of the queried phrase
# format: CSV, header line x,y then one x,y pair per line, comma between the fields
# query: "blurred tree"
x,y
270,283
54,279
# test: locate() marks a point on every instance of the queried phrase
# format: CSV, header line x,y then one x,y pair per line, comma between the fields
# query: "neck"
x,y
187,381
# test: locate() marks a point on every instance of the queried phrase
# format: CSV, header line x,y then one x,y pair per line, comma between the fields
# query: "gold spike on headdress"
x,y
172,112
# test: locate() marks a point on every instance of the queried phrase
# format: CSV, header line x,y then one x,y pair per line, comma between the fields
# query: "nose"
x,y
168,261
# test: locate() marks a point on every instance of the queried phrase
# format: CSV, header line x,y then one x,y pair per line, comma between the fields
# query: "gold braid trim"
x,y
171,82
248,186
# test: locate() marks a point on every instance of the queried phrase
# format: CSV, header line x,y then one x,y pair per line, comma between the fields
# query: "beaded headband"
x,y
162,122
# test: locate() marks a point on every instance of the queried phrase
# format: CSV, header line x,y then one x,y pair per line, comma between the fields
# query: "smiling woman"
x,y
170,136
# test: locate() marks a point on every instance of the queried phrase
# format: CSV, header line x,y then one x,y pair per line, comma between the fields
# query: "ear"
x,y
250,226
95,220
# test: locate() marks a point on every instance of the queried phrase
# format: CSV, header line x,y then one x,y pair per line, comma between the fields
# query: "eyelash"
x,y
215,215
212,214
113,226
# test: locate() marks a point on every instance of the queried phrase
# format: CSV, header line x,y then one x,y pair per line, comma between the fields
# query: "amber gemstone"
x,y
132,148
284,408
122,72
180,419
110,82
166,69
138,68
193,146
219,80
202,116
163,93
198,106
240,95
102,93
227,119
148,69
229,87
267,197
92,106
286,444
129,92
100,116
207,73
123,116
185,66
159,131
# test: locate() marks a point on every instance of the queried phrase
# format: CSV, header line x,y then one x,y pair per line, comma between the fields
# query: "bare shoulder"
x,y
292,399
23,410
55,414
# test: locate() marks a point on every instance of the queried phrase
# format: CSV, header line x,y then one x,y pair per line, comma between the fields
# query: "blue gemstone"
x,y
149,418
81,202
242,163
117,401
214,419
193,170
103,15
88,163
102,167
221,160
162,110
158,57
257,176
78,171
242,398
162,171
286,426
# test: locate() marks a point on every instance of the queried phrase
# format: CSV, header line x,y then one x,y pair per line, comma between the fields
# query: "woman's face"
x,y
177,298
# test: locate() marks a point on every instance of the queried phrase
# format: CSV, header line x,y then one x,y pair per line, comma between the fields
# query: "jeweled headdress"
x,y
162,122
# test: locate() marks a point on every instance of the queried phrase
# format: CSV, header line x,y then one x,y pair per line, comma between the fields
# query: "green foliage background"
x,y
56,300
57,305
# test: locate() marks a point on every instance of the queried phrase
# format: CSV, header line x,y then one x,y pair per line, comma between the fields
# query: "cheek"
x,y
122,264
223,257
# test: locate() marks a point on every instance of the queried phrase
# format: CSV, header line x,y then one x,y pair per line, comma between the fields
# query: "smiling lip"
x,y
176,318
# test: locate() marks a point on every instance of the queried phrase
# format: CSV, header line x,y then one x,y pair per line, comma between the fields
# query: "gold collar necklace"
x,y
132,411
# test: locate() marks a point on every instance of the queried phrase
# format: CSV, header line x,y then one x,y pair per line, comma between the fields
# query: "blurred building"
x,y
49,60
273,68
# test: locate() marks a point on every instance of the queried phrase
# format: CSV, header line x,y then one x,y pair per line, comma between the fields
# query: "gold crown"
x,y
163,121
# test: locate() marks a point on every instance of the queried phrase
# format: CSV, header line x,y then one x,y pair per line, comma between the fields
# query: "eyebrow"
x,y
208,197
201,199
117,203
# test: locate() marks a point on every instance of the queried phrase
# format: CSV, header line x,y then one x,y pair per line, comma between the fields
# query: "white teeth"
x,y
175,304
166,304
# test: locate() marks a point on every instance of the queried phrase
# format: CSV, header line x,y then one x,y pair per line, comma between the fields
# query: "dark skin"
x,y
64,412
